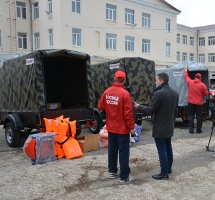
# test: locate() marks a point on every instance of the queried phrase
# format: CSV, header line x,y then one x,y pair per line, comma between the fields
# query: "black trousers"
x,y
193,110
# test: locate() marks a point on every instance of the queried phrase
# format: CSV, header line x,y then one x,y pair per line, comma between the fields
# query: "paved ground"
x,y
86,178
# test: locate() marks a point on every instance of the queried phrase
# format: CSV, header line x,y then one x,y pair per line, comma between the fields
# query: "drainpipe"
x,y
31,26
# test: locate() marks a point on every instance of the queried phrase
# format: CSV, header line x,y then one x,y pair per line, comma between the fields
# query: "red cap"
x,y
120,75
198,75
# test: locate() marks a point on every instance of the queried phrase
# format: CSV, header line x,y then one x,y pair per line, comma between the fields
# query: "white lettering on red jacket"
x,y
112,100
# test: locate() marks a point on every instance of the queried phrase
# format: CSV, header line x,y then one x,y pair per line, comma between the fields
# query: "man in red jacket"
x,y
116,102
196,91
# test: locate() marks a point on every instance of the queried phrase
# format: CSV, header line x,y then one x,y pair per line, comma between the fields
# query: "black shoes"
x,y
197,131
160,177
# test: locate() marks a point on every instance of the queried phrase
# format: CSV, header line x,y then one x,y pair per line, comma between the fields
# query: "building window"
x,y
110,41
178,38
184,56
110,12
76,37
36,41
146,20
211,40
211,57
129,43
146,46
22,40
168,49
50,6
36,10
178,56
21,10
202,41
168,25
50,38
129,16
76,6
191,57
184,39
192,41
202,58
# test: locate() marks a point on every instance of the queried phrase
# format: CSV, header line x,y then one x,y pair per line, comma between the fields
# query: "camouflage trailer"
x,y
140,80
44,84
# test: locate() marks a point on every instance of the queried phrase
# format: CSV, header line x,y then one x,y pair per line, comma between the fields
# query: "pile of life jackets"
x,y
65,143
103,137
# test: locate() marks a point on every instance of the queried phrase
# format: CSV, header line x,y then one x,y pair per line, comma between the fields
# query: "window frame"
x,y
21,10
76,6
36,38
184,56
35,10
191,58
129,16
76,37
178,56
201,58
168,25
22,40
111,41
211,57
178,38
50,37
192,41
110,12
184,39
168,49
146,46
201,41
49,6
129,43
146,20
211,40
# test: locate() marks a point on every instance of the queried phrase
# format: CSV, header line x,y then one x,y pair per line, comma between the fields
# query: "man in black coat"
x,y
163,109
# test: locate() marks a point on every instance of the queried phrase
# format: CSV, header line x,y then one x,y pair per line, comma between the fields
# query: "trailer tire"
x,y
210,112
13,137
98,125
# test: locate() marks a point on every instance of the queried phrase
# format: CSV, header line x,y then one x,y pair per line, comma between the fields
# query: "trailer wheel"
x,y
13,137
210,114
97,126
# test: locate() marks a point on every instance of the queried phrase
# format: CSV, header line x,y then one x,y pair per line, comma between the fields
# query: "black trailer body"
x,y
45,83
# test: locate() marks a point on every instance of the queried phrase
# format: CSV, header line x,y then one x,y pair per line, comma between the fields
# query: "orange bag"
x,y
63,129
72,127
59,152
48,125
71,147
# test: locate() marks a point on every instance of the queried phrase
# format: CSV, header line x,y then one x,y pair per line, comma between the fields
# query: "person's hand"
x,y
136,105
185,68
133,131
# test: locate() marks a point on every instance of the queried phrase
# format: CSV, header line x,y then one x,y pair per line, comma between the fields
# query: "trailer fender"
x,y
13,118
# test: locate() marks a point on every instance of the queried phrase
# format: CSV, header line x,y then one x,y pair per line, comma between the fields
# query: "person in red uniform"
x,y
116,101
196,91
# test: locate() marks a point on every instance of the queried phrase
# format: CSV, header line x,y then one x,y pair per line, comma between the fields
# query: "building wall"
x,y
94,26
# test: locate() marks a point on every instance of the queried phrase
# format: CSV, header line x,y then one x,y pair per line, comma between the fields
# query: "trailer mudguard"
x,y
13,118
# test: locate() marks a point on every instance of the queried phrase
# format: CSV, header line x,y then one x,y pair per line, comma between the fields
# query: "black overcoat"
x,y
163,109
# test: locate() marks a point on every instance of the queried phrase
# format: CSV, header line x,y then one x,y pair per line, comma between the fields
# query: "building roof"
x,y
165,2
207,27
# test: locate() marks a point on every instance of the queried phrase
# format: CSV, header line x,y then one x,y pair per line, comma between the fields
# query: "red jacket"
x,y
196,90
116,102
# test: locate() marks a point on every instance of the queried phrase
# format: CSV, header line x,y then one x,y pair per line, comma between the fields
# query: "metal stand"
x,y
212,129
